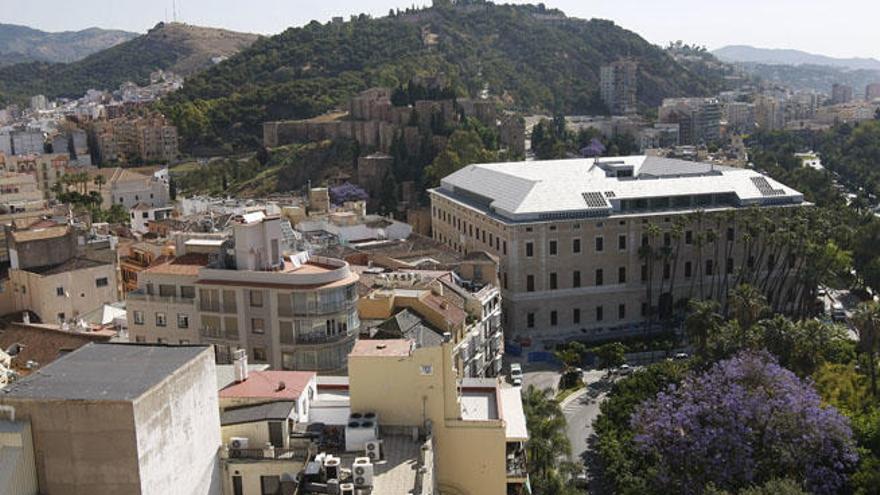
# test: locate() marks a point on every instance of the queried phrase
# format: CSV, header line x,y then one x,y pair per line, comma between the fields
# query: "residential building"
x,y
740,116
294,312
140,256
128,188
618,83
699,119
46,168
143,213
769,113
872,92
841,93
568,234
143,139
482,416
5,143
27,142
39,103
119,418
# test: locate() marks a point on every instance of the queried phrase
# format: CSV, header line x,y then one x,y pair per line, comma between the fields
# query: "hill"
x,y
774,56
531,58
177,47
817,78
23,44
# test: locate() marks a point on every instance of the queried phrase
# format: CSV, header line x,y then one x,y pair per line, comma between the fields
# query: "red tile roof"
x,y
277,385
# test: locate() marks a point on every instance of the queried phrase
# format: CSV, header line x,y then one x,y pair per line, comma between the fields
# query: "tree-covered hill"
x,y
23,44
530,57
181,48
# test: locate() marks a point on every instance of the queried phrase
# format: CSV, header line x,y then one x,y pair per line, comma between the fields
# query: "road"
x,y
581,410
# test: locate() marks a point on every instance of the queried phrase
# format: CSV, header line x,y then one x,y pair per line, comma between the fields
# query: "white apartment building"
x,y
570,233
290,311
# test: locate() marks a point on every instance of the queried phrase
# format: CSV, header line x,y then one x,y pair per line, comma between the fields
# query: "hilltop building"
x,y
569,234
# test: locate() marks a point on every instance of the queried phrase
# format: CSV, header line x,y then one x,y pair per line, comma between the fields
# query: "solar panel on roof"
x,y
594,200
765,188
609,194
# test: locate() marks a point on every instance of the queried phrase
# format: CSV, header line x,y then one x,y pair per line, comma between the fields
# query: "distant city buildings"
x,y
618,86
841,93
872,92
699,119
135,140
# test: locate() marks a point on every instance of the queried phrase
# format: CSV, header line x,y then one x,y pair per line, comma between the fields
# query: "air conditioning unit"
x,y
374,450
331,467
346,489
238,443
362,472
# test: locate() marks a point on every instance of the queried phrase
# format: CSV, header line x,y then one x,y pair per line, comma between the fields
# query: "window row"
x,y
599,313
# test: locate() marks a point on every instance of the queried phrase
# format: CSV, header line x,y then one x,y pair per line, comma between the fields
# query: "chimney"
x,y
240,365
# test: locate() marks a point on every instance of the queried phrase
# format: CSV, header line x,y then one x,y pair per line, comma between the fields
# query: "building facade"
x,y
294,313
572,236
618,83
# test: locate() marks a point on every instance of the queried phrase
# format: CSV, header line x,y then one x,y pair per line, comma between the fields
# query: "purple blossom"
x,y
594,149
347,192
743,422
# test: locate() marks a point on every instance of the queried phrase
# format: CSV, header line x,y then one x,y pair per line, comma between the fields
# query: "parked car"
x,y
680,356
516,374
624,369
837,312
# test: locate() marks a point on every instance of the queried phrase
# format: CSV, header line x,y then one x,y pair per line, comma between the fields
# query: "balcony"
x,y
314,338
516,462
317,309
215,307
140,295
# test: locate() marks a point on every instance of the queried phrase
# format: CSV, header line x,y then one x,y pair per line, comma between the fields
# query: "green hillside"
x,y
532,58
177,47
24,44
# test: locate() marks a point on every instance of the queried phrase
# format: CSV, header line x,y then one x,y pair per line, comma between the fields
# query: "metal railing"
x,y
143,296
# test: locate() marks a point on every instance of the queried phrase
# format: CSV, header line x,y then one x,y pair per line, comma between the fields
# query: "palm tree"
x,y
701,323
648,254
99,181
867,323
548,448
748,305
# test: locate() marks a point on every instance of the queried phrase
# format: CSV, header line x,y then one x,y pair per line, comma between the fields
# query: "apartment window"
x,y
182,320
167,290
599,277
491,239
530,249
667,271
599,313
59,291
689,237
530,283
621,242
576,226
730,234
553,281
667,239
553,319
621,311
644,273
138,317
576,316
187,292
259,354
600,244
729,266
288,361
688,269
101,282
645,239
530,320
256,297
709,266
553,249
575,246
257,325
576,278
621,275
161,320
504,247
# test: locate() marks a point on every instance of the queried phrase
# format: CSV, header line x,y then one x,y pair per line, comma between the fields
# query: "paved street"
x,y
580,410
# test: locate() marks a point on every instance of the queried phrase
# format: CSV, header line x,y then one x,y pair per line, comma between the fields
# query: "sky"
x,y
840,28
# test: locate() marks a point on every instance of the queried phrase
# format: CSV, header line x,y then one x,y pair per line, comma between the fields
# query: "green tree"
x,y
611,355
465,147
548,447
702,322
867,322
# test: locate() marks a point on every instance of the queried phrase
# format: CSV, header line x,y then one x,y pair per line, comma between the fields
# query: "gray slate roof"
x,y
277,411
103,372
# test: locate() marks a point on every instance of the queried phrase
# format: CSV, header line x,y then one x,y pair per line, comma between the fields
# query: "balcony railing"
x,y
214,307
316,339
316,309
516,465
143,296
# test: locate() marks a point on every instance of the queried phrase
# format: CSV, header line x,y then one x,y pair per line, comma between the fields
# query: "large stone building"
x,y
289,311
570,233
111,418
618,83
145,140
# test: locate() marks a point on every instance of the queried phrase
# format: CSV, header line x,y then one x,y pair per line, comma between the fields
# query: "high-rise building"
x,y
290,311
699,119
27,142
618,83
769,113
841,93
39,102
872,92
573,234
740,116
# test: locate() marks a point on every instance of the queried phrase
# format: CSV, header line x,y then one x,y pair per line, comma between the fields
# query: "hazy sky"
x,y
843,28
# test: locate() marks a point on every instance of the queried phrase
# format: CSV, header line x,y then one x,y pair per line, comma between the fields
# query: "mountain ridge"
x,y
26,44
784,56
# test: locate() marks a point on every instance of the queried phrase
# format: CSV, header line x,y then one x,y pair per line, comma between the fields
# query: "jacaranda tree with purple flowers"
x,y
741,423
347,192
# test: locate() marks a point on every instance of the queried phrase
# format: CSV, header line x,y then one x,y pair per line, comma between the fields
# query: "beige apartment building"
x,y
570,236
45,168
242,292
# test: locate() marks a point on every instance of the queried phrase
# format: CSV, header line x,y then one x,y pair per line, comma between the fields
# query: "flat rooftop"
x,y
382,348
104,372
579,188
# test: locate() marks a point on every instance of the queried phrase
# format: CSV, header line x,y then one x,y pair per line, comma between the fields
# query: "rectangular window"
x,y
730,234
621,275
667,239
259,354
504,247
530,283
257,325
161,320
101,282
600,244
644,311
621,242
187,292
644,273
256,298
599,277
729,266
576,278
530,249
59,291
530,320
138,317
667,271
709,266
553,319
575,246
688,268
552,248
182,320
599,313
621,311
288,361
689,237
167,290
553,281
576,316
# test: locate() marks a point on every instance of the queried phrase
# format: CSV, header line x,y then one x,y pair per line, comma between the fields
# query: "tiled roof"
x,y
44,345
279,385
